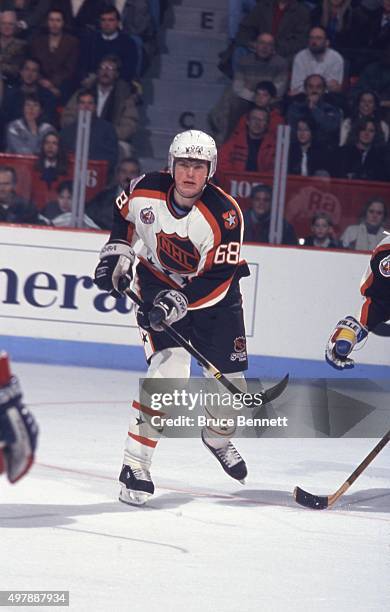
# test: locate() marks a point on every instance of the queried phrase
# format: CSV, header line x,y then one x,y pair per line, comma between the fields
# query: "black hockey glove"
x,y
114,271
18,432
169,306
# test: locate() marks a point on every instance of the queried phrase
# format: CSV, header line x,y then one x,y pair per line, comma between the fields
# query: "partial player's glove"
x,y
343,338
169,306
18,432
114,271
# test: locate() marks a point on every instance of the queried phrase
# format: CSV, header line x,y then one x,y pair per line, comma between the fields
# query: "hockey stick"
x,y
319,502
266,396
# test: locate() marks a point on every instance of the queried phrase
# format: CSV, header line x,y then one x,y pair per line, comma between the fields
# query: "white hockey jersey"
x,y
198,253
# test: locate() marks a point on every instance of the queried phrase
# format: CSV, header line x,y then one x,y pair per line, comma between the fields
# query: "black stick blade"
x,y
273,392
316,502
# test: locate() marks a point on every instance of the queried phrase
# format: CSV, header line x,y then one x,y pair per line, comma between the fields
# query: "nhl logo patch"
x,y
147,215
230,219
239,353
239,344
384,266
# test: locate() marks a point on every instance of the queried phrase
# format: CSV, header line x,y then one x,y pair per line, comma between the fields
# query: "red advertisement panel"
x,y
342,199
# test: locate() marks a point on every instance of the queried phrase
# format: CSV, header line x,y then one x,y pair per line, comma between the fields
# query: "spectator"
x,y
376,77
337,19
109,40
116,102
137,21
30,15
266,99
28,85
325,116
362,157
369,232
58,53
305,158
103,142
80,14
366,105
373,30
12,49
237,11
257,219
13,208
59,211
262,65
322,233
52,166
317,58
251,147
100,208
287,20
24,135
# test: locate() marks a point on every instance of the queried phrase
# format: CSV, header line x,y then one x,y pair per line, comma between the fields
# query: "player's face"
x,y
190,179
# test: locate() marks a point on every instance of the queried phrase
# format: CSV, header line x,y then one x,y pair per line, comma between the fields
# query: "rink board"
x,y
51,311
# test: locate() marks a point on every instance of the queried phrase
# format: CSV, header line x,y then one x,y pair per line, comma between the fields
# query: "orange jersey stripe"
x,y
364,311
214,294
211,221
368,282
142,440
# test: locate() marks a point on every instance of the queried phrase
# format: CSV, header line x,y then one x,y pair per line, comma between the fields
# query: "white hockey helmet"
x,y
193,144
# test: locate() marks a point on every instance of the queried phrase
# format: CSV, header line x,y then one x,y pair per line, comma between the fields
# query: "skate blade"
x,y
243,481
133,498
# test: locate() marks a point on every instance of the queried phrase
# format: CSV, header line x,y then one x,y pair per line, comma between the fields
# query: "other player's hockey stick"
x,y
266,396
319,502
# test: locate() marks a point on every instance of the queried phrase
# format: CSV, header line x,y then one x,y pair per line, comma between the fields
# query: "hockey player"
x,y
375,287
187,276
18,429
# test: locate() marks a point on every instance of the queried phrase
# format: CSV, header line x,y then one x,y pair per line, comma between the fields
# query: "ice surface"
x,y
203,542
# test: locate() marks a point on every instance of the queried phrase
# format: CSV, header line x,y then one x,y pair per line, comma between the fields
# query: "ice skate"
x,y
230,459
136,485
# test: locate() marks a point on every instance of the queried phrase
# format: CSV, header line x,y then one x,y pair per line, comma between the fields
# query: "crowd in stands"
x,y
58,57
320,66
